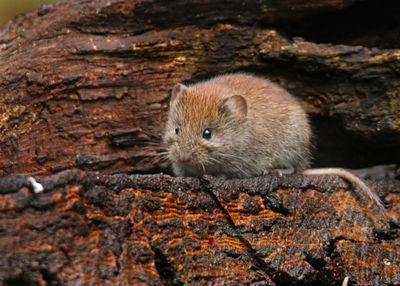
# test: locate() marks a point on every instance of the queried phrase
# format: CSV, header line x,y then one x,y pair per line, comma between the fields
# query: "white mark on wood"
x,y
36,187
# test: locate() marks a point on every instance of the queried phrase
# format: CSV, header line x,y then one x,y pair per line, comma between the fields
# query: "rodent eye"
x,y
177,129
207,133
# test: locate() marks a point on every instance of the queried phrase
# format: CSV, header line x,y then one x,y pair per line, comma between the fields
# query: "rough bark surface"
x,y
91,229
85,85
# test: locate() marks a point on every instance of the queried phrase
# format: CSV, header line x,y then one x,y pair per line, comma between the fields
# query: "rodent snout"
x,y
185,156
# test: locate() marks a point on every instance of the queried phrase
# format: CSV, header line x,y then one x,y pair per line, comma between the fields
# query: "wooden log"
x,y
87,84
91,229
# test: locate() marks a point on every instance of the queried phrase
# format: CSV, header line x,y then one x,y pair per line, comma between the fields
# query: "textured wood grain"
x,y
91,229
86,84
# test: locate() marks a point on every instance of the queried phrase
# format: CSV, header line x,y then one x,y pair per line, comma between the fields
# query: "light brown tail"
x,y
349,177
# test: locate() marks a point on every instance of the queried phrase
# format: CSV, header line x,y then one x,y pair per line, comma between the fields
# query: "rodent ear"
x,y
235,105
178,90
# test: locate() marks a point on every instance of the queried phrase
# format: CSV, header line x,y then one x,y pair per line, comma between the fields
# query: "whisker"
x,y
229,156
161,153
238,164
163,159
204,168
148,143
213,160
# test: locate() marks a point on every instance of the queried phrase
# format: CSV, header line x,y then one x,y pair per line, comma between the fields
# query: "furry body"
x,y
273,134
238,126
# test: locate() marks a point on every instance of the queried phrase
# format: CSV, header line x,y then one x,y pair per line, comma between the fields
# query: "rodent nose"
x,y
185,157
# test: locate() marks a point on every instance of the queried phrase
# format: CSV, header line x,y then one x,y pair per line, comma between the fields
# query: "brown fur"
x,y
256,126
274,133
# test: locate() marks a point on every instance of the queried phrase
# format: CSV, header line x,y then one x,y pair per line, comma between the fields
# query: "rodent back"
x,y
254,124
279,125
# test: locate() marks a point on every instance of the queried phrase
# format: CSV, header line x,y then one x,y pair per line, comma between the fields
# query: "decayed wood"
x,y
91,229
86,84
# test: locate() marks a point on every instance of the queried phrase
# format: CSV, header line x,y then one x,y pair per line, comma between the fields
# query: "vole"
x,y
238,126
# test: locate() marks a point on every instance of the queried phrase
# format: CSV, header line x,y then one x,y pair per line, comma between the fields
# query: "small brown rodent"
x,y
238,126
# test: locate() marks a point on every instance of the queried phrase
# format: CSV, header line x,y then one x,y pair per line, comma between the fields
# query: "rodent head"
x,y
203,129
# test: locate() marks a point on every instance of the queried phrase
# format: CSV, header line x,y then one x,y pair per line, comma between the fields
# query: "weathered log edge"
x,y
104,58
274,205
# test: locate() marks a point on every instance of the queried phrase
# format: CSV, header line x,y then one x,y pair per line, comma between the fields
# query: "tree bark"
x,y
91,229
84,89
87,84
